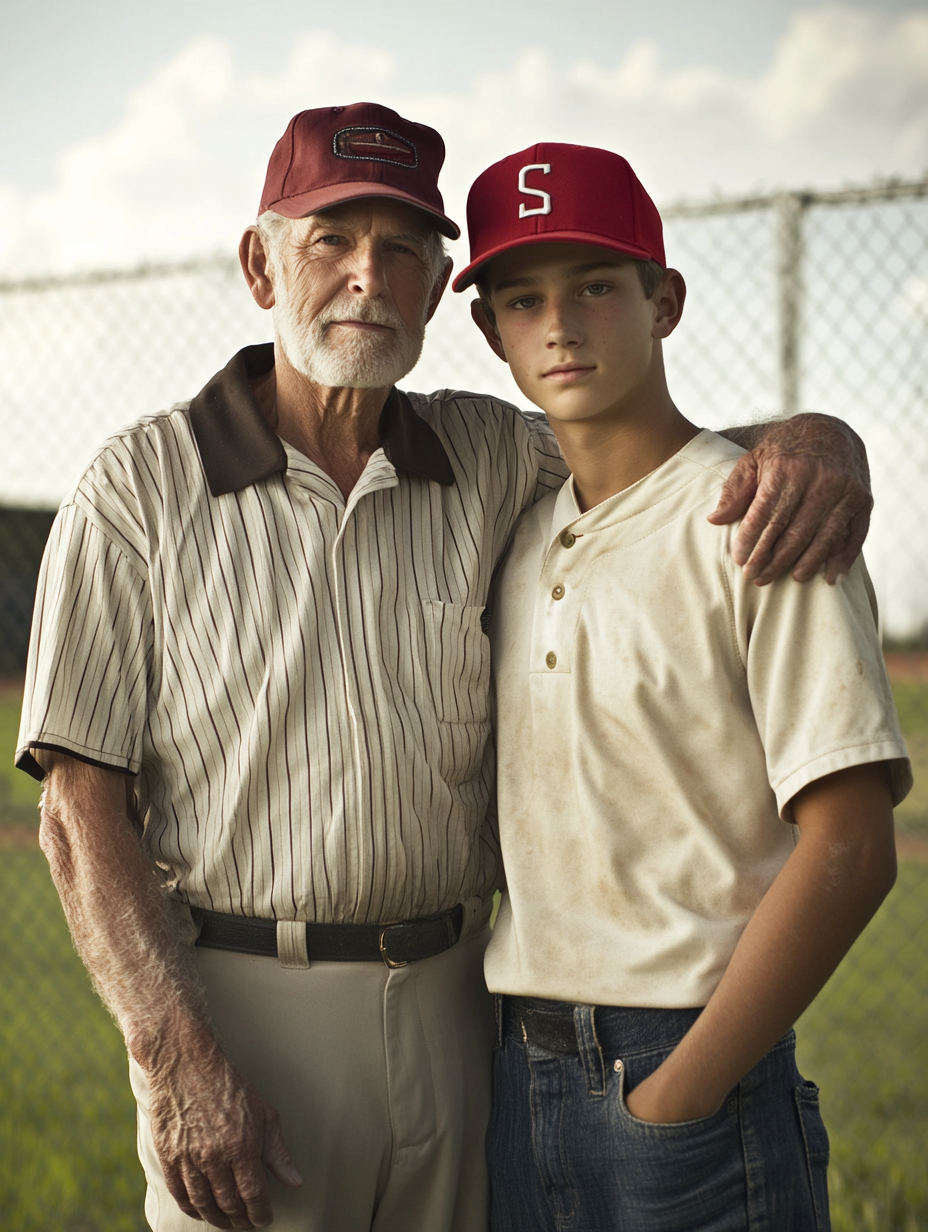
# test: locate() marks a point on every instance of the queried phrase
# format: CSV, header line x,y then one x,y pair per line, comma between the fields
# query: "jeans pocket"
x,y
672,1128
680,1175
815,1140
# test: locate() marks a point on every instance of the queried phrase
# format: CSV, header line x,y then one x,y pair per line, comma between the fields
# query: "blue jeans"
x,y
565,1153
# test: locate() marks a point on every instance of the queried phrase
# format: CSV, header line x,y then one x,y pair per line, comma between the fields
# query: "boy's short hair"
x,y
556,192
649,275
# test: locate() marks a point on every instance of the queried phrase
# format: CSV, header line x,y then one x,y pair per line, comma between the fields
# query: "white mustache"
x,y
366,311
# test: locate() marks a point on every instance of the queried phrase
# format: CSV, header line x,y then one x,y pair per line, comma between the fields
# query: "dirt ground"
x,y
907,665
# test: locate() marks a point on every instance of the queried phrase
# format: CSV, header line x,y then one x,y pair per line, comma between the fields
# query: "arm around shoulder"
x,y
803,492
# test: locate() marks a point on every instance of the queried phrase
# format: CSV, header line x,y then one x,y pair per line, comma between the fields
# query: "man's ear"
x,y
438,288
669,299
479,314
253,256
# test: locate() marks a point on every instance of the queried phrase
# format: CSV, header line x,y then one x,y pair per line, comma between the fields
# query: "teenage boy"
x,y
696,774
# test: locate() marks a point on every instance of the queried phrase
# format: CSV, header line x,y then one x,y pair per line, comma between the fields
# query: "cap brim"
x,y
468,276
338,194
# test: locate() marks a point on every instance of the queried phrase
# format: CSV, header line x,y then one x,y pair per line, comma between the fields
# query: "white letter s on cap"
x,y
545,207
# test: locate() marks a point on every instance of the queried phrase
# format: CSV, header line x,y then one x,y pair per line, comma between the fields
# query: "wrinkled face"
x,y
576,327
352,290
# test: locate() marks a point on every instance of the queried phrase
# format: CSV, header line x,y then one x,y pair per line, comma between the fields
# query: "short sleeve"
x,y
817,681
90,651
552,469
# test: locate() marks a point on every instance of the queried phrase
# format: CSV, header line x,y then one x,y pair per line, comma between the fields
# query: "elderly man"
x,y
258,690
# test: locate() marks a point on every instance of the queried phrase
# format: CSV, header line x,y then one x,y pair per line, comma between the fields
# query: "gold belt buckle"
x,y
388,961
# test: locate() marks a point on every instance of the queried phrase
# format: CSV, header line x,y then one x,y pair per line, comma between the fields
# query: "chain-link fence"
x,y
796,301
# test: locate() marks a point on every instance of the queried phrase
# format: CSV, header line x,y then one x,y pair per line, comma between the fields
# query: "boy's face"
x,y
575,327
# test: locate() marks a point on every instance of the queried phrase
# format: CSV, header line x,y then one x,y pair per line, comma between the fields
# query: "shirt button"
x,y
558,592
551,659
568,539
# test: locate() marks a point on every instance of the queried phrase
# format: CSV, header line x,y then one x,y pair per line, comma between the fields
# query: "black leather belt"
x,y
393,944
620,1030
554,1032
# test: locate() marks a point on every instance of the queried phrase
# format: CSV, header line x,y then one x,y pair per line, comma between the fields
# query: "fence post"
x,y
789,209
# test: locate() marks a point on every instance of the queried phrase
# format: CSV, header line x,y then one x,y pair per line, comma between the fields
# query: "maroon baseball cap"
x,y
334,154
574,193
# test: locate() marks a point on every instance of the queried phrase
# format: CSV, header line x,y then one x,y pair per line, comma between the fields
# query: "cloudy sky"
x,y
133,131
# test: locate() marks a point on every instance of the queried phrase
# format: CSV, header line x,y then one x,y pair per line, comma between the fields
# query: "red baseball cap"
x,y
574,193
335,154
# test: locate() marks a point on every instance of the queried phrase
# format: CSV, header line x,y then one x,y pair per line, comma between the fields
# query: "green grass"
x,y
19,794
67,1117
67,1121
911,698
865,1042
912,704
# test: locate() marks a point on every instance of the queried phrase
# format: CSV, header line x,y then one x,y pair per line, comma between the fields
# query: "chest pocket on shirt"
x,y
457,659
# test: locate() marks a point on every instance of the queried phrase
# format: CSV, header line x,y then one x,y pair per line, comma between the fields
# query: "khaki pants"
x,y
382,1081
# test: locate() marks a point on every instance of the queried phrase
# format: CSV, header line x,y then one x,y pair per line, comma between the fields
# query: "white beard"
x,y
358,359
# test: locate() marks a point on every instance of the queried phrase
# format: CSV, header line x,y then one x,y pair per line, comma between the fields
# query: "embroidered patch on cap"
x,y
377,145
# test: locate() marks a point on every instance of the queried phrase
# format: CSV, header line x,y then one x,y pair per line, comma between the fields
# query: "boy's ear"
x,y
669,299
479,314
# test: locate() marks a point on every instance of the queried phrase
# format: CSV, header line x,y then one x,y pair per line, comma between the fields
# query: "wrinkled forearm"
x,y
809,433
748,436
212,1131
803,493
119,918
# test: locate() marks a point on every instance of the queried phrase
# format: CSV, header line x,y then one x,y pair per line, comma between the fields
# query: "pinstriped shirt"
x,y
298,682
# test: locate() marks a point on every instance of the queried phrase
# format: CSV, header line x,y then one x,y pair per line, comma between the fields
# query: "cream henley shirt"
x,y
656,713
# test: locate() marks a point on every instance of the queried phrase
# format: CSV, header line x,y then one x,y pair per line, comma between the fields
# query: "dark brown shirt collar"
x,y
238,448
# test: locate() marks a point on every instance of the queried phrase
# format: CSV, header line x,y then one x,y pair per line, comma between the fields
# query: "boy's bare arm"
x,y
211,1127
804,494
841,870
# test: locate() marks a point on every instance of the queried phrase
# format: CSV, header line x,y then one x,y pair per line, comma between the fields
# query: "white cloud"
x,y
845,97
861,66
127,194
331,70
